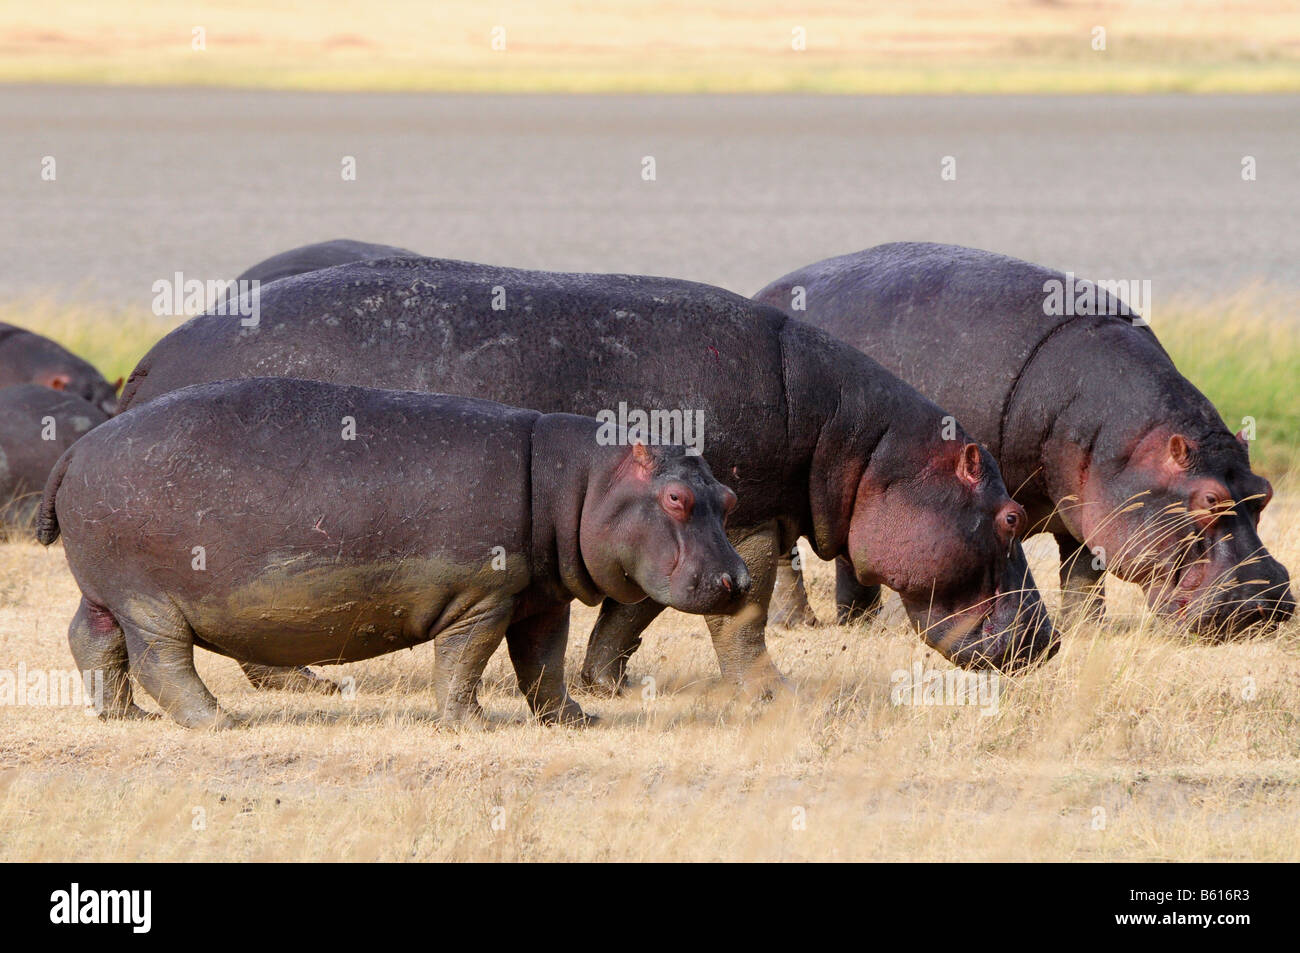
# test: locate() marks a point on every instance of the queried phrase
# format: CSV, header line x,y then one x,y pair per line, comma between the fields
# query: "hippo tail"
x,y
47,520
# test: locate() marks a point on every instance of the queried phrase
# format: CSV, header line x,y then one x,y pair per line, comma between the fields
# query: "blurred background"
x,y
1111,139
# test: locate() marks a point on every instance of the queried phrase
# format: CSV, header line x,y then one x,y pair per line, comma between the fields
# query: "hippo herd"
x,y
402,449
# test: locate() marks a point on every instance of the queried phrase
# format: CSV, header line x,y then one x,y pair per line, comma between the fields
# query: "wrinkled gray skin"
x,y
440,518
28,358
297,261
29,413
1104,443
815,437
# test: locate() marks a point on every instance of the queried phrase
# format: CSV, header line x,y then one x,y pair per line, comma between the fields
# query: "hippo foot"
x,y
794,617
469,717
772,689
603,685
763,690
130,712
290,679
1090,613
569,715
209,721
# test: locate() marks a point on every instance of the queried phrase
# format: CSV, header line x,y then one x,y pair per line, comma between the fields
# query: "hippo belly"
x,y
304,611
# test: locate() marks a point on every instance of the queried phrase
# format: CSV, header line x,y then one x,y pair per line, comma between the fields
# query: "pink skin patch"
x,y
101,620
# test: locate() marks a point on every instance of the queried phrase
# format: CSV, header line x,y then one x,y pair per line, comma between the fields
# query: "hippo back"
x,y
931,312
36,425
340,251
550,342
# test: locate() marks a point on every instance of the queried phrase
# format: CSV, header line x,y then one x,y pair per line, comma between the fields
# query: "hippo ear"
x,y
117,388
1180,452
1245,443
970,468
58,381
643,461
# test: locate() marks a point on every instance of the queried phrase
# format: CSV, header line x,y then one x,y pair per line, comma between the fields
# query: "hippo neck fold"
x,y
846,413
1096,432
565,460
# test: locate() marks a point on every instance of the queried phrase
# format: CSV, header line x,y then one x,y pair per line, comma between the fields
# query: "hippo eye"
x,y
677,501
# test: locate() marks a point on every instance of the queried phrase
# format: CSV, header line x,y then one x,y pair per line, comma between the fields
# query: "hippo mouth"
x,y
1212,606
994,635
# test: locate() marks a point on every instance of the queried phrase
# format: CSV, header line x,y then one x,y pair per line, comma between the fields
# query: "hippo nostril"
x,y
725,581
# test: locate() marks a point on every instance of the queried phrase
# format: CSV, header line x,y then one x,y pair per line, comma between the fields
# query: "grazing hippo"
x,y
292,522
28,358
816,437
340,251
1108,447
36,425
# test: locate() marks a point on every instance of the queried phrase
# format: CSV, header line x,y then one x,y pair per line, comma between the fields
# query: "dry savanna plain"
x,y
1136,742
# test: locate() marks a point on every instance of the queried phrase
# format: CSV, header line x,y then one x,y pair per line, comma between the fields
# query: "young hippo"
x,y
292,522
36,425
29,358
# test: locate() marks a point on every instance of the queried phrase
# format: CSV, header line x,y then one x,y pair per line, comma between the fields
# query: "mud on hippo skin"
x,y
806,429
29,358
1106,445
444,518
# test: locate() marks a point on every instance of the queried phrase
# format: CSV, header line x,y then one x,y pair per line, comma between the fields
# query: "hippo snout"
x,y
725,589
737,585
1011,646
1240,614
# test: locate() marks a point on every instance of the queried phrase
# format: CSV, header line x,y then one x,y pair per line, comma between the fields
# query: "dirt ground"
x,y
1135,743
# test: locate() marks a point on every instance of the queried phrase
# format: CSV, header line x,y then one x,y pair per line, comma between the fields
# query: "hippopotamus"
x,y
340,251
297,261
36,425
29,358
815,437
293,522
1105,444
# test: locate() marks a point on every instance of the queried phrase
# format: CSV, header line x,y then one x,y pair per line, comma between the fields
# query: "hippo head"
x,y
946,537
1180,517
656,529
85,383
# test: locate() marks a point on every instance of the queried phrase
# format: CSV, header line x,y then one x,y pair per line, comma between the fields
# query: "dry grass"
x,y
1161,734
645,45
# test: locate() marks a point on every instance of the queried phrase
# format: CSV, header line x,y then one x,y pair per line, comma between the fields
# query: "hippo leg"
x,y
162,660
738,638
789,597
99,645
854,602
294,678
1082,590
537,646
461,653
616,635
